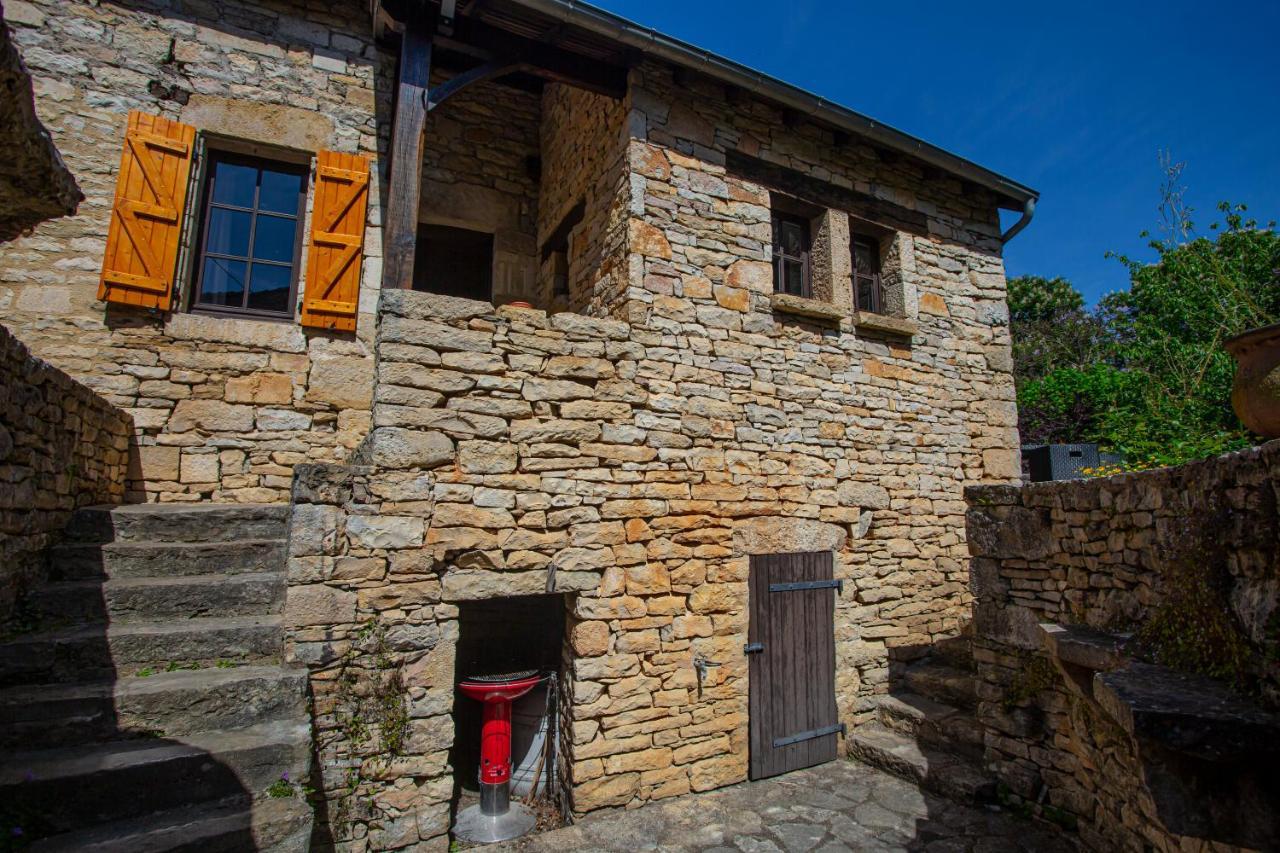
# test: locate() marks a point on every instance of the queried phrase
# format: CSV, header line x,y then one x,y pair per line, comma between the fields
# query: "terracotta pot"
x,y
1255,394
519,305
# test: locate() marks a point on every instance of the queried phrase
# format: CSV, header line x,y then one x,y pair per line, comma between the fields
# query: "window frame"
x,y
256,158
777,218
874,278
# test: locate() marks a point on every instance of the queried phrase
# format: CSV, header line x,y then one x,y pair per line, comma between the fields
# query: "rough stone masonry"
x,y
628,457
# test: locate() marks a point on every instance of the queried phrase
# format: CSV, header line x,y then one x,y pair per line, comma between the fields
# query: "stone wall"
x,y
223,408
633,468
1113,554
584,162
61,447
34,183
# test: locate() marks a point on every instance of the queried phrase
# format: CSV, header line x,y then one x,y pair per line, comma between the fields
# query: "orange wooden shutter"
x,y
146,217
337,238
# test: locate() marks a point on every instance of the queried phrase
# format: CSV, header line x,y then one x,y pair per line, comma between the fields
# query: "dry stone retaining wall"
x,y
1107,553
61,447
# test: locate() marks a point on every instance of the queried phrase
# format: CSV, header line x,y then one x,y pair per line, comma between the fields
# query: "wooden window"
x,y
454,262
867,286
791,255
247,259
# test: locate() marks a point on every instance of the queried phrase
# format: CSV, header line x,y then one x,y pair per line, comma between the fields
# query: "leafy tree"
x,y
1145,373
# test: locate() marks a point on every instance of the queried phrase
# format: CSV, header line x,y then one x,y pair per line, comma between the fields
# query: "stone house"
x,y
552,337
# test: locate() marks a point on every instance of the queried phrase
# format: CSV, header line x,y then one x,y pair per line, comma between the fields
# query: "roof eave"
x,y
649,41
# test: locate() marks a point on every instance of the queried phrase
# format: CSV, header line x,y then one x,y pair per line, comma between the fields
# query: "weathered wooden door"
x,y
791,648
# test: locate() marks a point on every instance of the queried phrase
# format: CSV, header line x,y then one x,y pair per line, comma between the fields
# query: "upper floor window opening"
x,y
791,255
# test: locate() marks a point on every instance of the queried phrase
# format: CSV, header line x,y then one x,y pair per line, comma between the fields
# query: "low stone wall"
x,y
61,447
1163,547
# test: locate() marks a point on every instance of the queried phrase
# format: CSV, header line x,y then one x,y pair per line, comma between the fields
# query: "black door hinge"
x,y
752,648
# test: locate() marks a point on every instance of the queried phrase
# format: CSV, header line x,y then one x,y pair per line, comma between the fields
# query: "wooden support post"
x,y
400,231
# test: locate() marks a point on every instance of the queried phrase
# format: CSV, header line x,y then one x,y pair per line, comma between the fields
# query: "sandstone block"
x,y
317,604
341,382
384,531
590,639
396,447
260,388
211,416
487,457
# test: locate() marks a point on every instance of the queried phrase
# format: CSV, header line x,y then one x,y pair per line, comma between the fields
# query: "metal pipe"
x,y
1028,211
654,43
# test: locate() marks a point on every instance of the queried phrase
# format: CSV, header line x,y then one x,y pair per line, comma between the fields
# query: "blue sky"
x,y
1072,100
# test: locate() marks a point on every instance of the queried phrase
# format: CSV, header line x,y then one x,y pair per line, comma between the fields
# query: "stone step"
x,y
942,683
197,522
233,825
955,651
151,559
931,768
180,597
100,653
935,723
72,788
169,703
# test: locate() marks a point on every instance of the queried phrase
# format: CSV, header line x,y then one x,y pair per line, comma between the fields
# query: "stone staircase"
x,y
925,729
149,709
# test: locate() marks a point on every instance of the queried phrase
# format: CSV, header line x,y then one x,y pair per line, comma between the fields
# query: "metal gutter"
x,y
653,43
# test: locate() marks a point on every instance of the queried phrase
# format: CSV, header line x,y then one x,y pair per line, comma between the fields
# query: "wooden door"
x,y
792,653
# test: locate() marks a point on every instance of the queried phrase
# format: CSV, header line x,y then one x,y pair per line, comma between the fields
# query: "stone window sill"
x,y
885,324
790,304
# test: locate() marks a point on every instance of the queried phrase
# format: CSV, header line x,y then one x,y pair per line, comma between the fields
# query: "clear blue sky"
x,y
1074,100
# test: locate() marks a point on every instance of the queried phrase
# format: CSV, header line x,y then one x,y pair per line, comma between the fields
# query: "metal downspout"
x,y
1028,211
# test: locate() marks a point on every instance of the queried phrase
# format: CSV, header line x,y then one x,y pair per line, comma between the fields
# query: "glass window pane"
x,y
273,238
269,288
868,293
792,238
863,259
222,282
279,192
234,183
228,232
794,272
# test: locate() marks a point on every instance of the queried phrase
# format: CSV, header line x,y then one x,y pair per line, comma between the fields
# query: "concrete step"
x,y
198,522
233,825
181,597
168,703
152,559
100,653
942,682
72,788
931,768
935,723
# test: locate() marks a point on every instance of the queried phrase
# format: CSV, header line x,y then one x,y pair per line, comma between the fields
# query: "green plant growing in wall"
x,y
1035,675
371,710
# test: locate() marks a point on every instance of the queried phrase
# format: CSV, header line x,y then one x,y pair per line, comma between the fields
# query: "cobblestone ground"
x,y
843,805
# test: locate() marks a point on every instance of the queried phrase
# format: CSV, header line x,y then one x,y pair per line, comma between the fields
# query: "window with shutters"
x,y
250,237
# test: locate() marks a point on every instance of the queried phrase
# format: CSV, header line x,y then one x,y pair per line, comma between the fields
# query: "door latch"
x,y
701,664
752,648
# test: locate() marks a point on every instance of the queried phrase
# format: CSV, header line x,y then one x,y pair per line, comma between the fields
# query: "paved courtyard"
x,y
843,805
